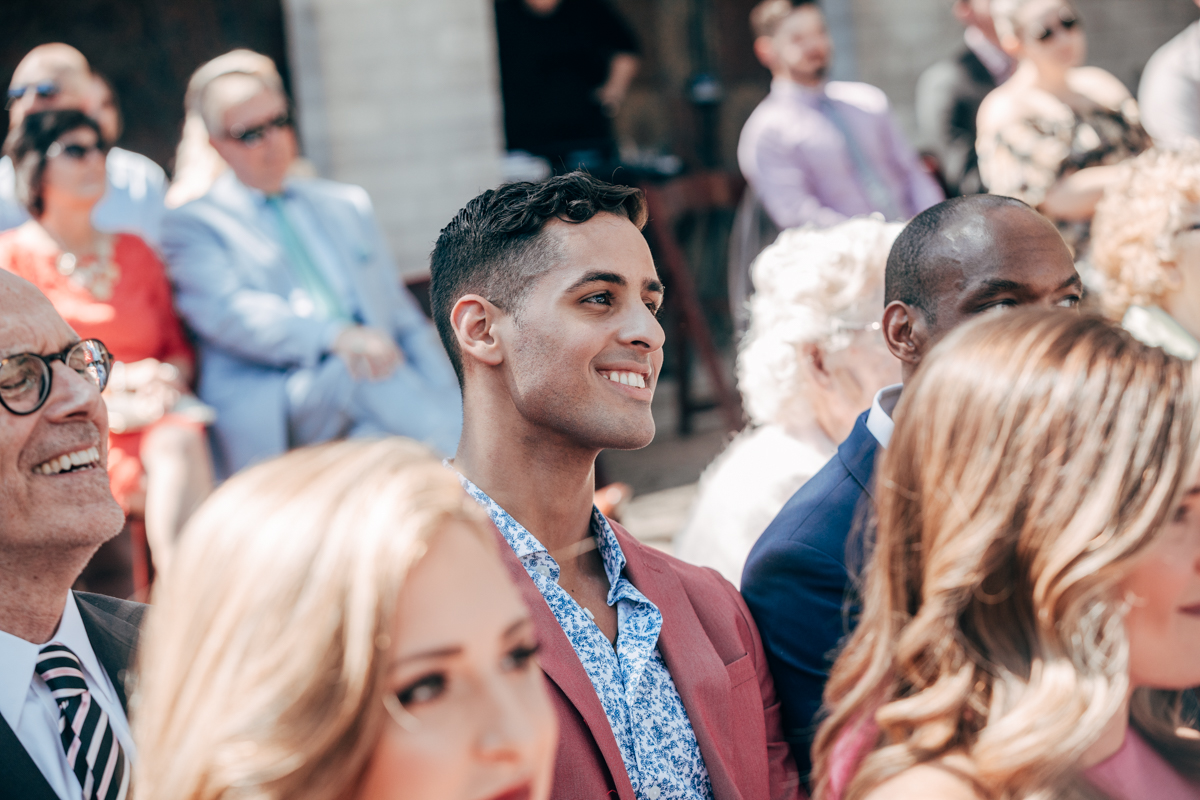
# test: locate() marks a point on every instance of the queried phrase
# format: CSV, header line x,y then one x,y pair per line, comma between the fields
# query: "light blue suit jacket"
x,y
234,289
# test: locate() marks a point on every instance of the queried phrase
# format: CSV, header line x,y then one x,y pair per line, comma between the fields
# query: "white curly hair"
x,y
812,286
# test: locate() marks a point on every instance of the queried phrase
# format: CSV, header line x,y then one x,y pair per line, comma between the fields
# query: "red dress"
x,y
137,322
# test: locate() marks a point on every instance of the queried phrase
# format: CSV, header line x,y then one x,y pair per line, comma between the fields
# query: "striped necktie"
x,y
91,745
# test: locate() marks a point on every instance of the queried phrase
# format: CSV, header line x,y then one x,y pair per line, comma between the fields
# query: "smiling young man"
x,y
546,297
959,259
63,654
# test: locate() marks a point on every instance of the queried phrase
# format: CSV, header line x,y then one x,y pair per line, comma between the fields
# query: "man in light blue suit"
x,y
305,331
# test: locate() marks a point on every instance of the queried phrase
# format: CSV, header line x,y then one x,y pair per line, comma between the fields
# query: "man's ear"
x,y
474,322
764,49
904,331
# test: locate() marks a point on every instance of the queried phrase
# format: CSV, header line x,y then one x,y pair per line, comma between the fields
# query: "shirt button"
x,y
653,792
543,570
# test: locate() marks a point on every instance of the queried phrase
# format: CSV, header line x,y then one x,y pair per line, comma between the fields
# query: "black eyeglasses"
x,y
25,378
252,137
76,151
46,89
1066,22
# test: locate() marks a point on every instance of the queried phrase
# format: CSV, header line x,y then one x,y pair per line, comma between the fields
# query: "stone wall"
x,y
401,97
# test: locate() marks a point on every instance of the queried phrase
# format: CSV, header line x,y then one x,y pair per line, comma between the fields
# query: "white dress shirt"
x,y
132,203
29,708
879,421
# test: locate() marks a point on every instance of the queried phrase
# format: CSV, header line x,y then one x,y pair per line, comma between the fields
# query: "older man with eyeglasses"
x,y
305,331
53,77
64,655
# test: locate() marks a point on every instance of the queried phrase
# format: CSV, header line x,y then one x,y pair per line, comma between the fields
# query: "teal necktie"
x,y
324,298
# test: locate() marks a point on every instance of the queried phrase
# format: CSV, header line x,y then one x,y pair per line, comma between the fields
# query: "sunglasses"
x,y
253,137
26,378
76,151
1066,22
15,93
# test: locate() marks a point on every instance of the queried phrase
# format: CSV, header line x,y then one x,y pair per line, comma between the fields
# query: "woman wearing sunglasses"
x,y
1052,134
337,625
114,288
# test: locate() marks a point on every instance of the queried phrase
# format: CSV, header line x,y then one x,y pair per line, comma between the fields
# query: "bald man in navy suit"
x,y
954,261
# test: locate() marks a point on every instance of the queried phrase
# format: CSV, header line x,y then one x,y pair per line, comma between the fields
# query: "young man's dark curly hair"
x,y
496,246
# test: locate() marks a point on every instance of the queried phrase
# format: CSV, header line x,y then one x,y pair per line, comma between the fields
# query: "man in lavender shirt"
x,y
818,151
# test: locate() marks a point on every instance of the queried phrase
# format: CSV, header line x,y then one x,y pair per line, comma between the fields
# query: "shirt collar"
x,y
795,92
995,60
879,421
18,659
524,544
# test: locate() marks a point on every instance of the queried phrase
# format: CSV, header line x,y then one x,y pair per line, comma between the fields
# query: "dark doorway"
x,y
146,48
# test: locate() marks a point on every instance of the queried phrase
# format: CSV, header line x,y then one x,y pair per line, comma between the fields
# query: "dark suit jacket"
x,y
712,650
948,97
112,628
797,578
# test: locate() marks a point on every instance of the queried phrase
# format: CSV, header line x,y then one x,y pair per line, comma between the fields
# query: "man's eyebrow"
x,y
994,286
1074,280
653,285
597,277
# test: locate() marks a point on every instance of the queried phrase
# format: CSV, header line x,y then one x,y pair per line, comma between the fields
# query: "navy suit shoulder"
x,y
796,579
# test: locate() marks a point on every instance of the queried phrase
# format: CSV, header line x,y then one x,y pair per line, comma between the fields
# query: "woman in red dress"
x,y
113,287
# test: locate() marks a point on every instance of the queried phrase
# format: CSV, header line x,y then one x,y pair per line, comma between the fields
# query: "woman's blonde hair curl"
x,y
264,656
1035,453
1135,225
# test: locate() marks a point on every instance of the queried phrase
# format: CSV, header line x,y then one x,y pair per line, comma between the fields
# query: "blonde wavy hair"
x,y
1035,454
1135,225
264,657
813,285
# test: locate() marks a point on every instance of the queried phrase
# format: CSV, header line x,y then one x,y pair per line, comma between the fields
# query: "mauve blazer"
x,y
711,647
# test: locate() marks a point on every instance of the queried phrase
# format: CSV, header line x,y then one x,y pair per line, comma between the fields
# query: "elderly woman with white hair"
x,y
810,364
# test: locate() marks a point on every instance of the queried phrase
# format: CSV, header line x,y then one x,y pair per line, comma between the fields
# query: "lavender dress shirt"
x,y
797,160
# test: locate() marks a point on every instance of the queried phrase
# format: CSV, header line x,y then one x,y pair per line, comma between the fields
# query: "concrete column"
x,y
401,97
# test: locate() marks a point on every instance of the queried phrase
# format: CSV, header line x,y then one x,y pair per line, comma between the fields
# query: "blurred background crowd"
x,y
830,122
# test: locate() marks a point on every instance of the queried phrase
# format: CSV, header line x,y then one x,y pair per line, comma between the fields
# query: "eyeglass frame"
x,y
48,361
57,149
45,89
259,132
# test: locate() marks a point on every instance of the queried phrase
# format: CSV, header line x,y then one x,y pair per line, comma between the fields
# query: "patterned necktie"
x,y
92,749
328,306
868,177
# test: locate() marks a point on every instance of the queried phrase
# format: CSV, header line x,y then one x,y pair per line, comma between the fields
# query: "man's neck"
x,y
33,591
542,479
807,81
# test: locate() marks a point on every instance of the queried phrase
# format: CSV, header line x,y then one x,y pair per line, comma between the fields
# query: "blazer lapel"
x,y
696,668
20,774
114,641
858,454
562,666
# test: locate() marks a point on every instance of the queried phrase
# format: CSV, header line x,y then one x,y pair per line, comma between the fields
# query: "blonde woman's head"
x,y
814,343
1038,458
1144,235
336,624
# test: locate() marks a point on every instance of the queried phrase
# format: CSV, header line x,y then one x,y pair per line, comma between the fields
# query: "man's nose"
x,y
71,394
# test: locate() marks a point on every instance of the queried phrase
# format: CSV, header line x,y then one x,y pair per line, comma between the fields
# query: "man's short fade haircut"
x,y
913,263
495,246
767,16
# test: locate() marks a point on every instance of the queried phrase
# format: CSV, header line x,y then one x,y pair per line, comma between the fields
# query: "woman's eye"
x,y
520,657
424,690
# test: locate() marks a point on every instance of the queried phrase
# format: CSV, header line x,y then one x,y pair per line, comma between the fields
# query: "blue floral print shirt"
x,y
639,697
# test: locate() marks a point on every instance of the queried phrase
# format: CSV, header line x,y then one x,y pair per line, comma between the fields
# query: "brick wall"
x,y
400,97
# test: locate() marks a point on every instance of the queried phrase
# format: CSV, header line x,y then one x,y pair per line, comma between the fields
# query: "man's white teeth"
x,y
628,378
62,463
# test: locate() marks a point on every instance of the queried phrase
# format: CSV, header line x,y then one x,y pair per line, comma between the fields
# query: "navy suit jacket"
x,y
797,579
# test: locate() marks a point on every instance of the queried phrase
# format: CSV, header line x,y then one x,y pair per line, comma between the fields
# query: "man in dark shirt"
x,y
949,94
565,66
